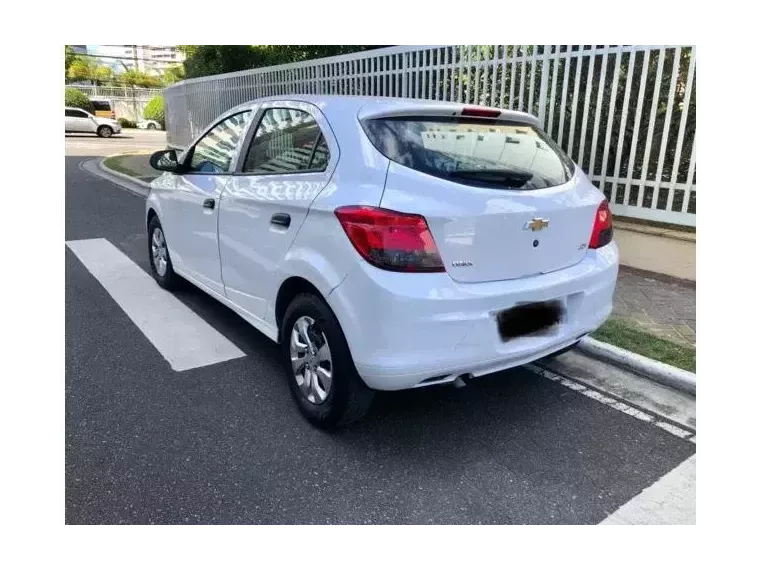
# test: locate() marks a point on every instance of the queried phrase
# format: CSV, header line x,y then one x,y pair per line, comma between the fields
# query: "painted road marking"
x,y
671,500
615,403
183,338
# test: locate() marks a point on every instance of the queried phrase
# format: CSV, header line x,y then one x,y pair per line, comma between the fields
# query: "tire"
x,y
105,131
164,273
151,127
348,398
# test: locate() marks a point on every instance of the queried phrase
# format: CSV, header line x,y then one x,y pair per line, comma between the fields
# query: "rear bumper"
x,y
404,329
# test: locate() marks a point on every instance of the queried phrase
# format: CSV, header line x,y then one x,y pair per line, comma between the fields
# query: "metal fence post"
x,y
544,87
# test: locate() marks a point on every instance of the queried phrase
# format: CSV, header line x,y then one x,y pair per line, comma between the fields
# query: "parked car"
x,y
104,108
385,244
149,124
80,121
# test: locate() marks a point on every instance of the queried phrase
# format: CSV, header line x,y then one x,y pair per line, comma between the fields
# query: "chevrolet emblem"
x,y
536,224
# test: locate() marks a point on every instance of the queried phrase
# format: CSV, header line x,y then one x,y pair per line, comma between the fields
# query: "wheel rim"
x,y
106,131
158,251
311,360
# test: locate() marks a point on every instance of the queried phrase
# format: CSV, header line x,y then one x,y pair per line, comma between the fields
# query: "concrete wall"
x,y
129,109
670,252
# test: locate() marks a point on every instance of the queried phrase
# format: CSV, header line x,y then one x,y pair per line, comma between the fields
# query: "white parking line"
x,y
671,500
184,339
612,402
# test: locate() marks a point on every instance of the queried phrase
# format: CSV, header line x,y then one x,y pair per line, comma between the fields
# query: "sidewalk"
x,y
660,305
663,306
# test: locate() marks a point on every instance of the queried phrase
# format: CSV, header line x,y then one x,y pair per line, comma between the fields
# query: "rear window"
x,y
101,105
477,152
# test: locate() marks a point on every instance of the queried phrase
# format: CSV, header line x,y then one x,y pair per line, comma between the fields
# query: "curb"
x,y
661,373
112,172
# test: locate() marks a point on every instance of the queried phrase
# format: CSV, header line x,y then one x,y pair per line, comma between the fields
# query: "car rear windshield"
x,y
101,105
476,152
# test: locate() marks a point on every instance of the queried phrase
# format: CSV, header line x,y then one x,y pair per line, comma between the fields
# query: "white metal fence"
x,y
117,91
626,114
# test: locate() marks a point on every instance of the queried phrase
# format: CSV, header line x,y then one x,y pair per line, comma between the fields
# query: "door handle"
x,y
209,203
281,220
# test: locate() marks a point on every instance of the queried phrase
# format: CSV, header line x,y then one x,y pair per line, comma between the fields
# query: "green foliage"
x,y
69,57
137,78
127,124
86,70
75,98
173,74
211,60
154,110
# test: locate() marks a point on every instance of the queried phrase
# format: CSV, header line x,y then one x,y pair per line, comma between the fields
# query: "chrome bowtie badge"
x,y
536,224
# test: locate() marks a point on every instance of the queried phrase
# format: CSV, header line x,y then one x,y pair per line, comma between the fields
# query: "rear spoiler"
x,y
406,108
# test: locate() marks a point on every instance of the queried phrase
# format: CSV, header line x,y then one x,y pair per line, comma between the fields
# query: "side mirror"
x,y
165,160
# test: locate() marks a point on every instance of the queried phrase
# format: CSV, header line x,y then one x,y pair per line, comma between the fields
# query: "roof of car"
x,y
335,106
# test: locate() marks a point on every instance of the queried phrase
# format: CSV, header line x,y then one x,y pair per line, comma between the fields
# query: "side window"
x,y
213,153
286,140
75,113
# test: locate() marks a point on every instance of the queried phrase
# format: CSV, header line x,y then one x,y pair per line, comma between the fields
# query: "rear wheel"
x,y
151,127
321,373
105,131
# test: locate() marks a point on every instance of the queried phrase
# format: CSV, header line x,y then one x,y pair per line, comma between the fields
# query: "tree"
x,y
137,78
173,74
84,70
76,98
69,57
211,60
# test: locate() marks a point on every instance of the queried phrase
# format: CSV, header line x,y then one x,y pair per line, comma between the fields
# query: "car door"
x,y
191,208
290,155
79,121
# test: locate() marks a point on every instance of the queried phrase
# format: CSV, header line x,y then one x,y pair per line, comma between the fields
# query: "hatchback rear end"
x,y
488,248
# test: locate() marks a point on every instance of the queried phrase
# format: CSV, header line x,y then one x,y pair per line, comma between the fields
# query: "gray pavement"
x,y
129,140
660,305
225,444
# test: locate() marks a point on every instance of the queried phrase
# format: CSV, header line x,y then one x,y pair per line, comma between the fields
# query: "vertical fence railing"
x,y
625,113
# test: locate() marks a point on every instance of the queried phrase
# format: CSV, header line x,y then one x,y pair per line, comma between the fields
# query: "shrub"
x,y
127,124
75,98
155,110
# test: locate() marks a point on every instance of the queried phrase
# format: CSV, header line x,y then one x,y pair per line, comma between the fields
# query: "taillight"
x,y
601,234
391,240
113,115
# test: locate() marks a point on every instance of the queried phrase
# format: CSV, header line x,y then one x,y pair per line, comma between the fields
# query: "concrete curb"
x,y
121,175
661,373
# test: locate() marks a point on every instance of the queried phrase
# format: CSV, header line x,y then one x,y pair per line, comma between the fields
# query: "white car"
x,y
80,121
385,244
149,124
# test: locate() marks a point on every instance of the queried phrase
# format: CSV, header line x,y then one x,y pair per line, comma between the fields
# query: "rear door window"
x,y
287,141
476,152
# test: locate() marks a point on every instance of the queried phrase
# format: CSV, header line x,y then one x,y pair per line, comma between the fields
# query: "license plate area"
x,y
530,319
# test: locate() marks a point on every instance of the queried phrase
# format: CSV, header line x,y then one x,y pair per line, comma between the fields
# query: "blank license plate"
x,y
529,319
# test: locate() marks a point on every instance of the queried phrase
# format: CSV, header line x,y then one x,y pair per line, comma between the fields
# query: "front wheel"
x,y
321,373
151,127
105,131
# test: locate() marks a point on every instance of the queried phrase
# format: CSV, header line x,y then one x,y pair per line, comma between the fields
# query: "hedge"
x,y
127,124
75,98
155,110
